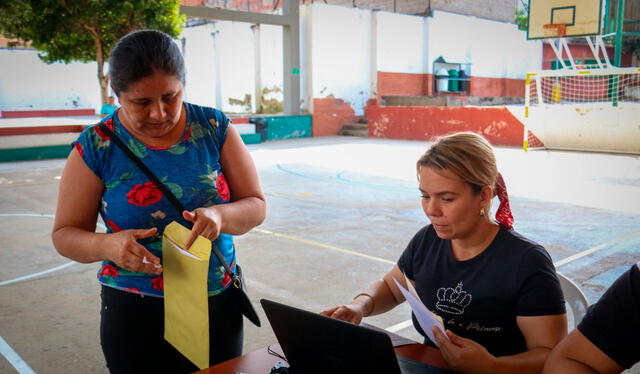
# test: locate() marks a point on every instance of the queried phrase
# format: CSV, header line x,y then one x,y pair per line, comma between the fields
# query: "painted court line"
x,y
14,359
326,246
26,215
34,275
559,263
589,251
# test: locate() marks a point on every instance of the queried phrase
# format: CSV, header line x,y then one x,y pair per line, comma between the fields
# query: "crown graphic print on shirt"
x,y
452,300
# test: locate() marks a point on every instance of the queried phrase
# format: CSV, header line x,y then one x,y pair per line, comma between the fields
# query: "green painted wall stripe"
x,y
288,127
34,153
251,138
62,151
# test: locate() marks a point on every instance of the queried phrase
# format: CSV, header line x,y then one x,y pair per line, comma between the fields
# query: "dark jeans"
x,y
132,333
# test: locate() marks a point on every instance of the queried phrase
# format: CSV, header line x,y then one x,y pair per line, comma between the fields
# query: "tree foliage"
x,y
84,30
522,16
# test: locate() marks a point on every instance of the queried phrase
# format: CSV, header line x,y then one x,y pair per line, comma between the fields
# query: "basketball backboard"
x,y
563,18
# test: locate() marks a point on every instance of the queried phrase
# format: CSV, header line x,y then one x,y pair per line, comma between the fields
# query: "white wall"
x,y
200,87
495,49
271,61
587,126
341,53
28,83
223,65
234,46
401,43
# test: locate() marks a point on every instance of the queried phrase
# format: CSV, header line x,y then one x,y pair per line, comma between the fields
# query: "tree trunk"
x,y
103,79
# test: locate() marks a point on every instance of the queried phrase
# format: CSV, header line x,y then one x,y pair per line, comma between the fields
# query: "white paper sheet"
x,y
182,251
410,287
425,317
145,261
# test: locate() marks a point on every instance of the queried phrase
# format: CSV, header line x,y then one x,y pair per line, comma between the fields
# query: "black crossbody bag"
x,y
238,278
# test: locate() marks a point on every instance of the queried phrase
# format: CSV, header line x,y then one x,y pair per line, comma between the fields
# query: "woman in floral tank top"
x,y
196,153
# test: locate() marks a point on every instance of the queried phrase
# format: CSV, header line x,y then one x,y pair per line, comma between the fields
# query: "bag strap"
x,y
167,192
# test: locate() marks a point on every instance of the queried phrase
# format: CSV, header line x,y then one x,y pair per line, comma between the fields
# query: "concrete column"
x,y
257,67
291,55
373,88
216,68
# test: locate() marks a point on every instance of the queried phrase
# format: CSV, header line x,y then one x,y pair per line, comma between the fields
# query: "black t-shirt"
x,y
613,323
480,298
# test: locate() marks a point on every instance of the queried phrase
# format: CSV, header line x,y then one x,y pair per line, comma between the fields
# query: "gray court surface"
x,y
340,212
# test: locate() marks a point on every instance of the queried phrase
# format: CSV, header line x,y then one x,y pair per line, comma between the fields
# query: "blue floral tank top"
x,y
190,169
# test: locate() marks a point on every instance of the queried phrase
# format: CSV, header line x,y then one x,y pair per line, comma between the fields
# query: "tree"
x,y
522,16
84,30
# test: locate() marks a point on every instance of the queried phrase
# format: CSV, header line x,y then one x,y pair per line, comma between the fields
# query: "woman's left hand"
x,y
463,355
206,222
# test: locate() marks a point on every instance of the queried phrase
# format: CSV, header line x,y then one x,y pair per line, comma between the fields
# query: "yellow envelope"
x,y
186,307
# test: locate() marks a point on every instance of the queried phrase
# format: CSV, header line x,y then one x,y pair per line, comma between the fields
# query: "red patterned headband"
x,y
503,214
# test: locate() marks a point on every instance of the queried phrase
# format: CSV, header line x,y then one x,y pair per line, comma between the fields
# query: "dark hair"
x,y
139,53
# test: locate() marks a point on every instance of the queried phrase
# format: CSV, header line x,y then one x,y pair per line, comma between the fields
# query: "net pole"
x,y
527,98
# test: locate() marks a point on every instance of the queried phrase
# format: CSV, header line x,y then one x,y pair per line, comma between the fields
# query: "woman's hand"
x,y
463,355
127,253
206,222
346,312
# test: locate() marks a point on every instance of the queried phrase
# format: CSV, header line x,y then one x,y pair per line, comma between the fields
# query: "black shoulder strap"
x,y
165,190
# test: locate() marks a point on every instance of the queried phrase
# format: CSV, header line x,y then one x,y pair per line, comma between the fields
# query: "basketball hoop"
x,y
557,30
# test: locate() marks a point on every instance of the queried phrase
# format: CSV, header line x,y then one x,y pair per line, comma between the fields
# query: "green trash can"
x,y
453,80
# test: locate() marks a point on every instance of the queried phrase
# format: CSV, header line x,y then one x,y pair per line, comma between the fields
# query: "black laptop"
x,y
313,343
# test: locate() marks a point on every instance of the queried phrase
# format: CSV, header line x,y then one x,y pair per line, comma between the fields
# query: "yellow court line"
x,y
559,263
318,244
404,324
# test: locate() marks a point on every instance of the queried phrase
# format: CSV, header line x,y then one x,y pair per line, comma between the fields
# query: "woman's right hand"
x,y
347,312
126,252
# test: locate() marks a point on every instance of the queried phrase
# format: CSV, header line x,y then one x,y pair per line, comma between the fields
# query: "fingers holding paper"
x,y
207,222
127,253
463,355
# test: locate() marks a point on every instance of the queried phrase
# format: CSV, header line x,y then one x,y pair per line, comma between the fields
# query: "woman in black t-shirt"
x,y
496,291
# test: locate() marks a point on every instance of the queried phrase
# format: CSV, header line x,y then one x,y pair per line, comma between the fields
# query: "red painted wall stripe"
x,y
497,124
496,87
406,84
330,115
33,130
47,113
403,84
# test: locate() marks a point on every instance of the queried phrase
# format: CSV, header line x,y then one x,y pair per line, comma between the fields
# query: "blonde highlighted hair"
x,y
466,154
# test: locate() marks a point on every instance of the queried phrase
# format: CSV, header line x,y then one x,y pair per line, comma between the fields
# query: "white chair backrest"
x,y
575,299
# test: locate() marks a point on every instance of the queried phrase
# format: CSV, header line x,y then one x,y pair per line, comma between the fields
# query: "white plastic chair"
x,y
575,299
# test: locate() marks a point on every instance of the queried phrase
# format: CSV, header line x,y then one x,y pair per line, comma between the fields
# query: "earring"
x,y
482,211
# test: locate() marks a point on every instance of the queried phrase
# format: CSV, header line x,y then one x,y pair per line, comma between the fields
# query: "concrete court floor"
x,y
340,211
